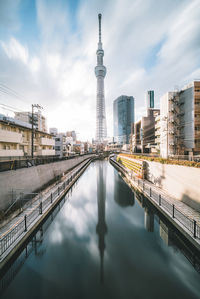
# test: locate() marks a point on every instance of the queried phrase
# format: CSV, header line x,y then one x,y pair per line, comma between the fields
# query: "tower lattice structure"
x,y
100,72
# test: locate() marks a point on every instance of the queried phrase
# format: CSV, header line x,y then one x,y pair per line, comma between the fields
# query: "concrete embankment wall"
x,y
33,178
181,182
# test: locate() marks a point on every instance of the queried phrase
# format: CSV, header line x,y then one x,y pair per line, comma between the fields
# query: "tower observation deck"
x,y
100,72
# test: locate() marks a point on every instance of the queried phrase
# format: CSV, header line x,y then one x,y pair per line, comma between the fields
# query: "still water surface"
x,y
103,242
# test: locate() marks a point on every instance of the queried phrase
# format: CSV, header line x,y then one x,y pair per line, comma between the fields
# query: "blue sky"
x,y
48,54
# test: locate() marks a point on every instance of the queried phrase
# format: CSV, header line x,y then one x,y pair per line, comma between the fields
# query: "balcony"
x,y
197,108
10,137
157,133
47,141
157,125
171,119
157,140
46,153
11,153
172,132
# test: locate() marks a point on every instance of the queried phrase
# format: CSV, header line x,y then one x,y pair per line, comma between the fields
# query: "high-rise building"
x,y
100,72
150,99
123,113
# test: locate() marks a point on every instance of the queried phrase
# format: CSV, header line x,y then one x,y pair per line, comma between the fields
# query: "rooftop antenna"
x,y
99,15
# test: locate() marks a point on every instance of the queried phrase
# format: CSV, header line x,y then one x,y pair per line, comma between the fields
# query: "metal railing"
x,y
189,224
8,238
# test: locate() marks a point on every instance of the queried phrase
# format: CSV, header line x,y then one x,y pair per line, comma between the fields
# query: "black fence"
x,y
189,224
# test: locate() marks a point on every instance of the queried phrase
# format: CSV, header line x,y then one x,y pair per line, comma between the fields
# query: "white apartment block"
x,y
60,145
60,142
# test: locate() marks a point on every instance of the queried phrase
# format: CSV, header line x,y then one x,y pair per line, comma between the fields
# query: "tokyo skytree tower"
x,y
100,72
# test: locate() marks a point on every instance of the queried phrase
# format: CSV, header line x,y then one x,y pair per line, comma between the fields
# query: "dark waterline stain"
x,y
104,241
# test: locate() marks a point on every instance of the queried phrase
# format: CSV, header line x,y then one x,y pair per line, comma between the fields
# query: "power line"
x,y
10,108
11,92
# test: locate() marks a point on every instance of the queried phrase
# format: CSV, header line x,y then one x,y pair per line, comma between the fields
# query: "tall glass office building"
x,y
150,99
123,113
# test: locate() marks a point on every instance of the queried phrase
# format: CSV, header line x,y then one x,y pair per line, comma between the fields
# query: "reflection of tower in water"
x,y
101,228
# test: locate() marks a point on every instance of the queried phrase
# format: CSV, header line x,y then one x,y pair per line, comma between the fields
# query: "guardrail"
x,y
190,224
7,239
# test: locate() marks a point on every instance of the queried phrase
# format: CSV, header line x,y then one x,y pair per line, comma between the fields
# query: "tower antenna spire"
x,y
99,15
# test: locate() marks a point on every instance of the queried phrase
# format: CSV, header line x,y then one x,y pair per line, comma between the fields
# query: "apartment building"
x,y
60,145
144,138
180,121
38,119
16,140
60,142
71,134
136,137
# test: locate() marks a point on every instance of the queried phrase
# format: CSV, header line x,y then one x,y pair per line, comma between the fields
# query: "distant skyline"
x,y
48,55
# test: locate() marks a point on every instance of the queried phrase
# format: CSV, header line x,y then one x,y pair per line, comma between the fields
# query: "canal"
x,y
104,241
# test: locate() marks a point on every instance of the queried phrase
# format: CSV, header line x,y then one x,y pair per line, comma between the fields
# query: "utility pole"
x,y
32,136
167,119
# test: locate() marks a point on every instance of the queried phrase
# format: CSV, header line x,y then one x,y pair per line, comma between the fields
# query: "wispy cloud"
x,y
148,45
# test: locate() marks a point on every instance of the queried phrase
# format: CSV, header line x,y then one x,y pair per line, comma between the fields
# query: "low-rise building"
x,y
71,134
38,119
60,145
16,140
60,142
78,147
136,138
148,143
143,137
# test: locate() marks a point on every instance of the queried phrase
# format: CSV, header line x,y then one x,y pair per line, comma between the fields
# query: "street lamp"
x,y
32,137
